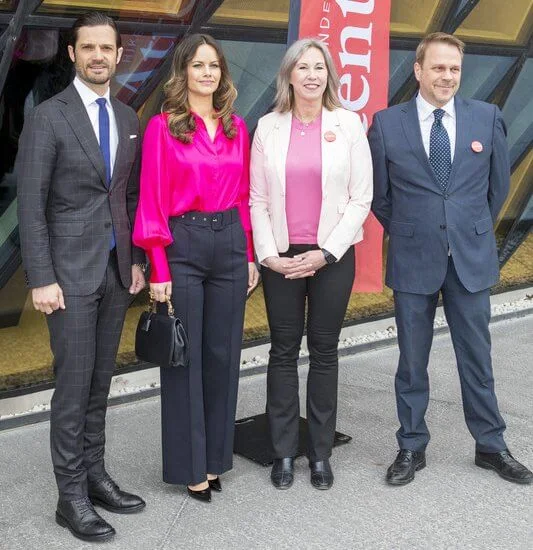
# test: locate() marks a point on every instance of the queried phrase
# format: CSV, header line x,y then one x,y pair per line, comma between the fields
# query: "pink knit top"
x,y
303,174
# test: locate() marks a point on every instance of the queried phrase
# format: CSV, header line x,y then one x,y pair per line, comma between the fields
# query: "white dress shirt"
x,y
426,119
89,98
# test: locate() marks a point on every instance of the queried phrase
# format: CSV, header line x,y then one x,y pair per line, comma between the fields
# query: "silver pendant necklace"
x,y
303,126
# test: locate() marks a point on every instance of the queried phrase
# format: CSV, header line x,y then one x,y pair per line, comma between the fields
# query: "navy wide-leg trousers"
x,y
209,272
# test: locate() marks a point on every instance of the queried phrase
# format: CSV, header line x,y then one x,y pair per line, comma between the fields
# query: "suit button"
x,y
107,224
443,226
446,196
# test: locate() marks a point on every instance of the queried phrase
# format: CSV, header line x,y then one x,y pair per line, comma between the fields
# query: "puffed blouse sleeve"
x,y
151,231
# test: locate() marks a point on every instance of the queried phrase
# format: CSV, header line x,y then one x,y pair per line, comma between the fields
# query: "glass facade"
x,y
498,67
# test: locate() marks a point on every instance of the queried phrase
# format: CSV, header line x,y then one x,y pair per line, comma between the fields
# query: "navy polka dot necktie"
x,y
440,156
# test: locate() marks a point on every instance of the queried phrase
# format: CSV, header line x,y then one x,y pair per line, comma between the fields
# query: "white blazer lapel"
x,y
330,127
282,140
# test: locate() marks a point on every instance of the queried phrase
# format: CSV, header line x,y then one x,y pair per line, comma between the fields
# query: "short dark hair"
x,y
92,19
441,37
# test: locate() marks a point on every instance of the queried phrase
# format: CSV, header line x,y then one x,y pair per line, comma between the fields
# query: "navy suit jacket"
x,y
422,220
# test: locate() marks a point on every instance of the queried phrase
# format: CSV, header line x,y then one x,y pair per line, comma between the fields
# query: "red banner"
x,y
357,34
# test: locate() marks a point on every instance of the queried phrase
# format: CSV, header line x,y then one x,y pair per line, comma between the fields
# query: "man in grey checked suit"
x,y
441,176
78,175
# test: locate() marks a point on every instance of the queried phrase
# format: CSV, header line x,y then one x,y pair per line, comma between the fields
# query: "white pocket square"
x,y
133,136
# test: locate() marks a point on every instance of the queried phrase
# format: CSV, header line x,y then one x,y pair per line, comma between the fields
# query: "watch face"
x,y
329,257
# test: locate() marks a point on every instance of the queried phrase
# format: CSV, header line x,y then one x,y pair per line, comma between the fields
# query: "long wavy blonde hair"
x,y
181,123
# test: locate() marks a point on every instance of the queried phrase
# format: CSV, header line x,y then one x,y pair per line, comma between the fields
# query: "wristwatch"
x,y
328,256
142,267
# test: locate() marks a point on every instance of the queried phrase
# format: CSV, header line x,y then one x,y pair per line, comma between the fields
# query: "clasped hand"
x,y
299,266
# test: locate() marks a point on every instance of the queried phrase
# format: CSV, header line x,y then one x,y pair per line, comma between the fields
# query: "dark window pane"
x,y
518,112
482,73
519,231
142,56
461,5
401,68
253,68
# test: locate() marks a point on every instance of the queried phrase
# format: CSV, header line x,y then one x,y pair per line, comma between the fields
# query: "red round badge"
x,y
477,147
330,136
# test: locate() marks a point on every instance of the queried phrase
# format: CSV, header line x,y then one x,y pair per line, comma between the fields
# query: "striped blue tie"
x,y
440,156
103,125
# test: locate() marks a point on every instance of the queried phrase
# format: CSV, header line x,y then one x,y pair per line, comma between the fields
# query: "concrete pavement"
x,y
451,504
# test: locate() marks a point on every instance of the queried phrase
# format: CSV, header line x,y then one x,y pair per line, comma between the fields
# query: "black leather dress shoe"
x,y
81,519
107,494
215,484
505,466
321,474
204,495
282,474
402,470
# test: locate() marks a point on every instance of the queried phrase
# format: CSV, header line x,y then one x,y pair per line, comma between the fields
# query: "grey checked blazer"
x,y
66,211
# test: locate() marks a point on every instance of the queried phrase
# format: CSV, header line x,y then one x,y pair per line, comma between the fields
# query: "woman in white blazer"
x,y
311,189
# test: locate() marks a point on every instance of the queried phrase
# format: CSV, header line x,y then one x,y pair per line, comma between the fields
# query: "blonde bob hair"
x,y
284,100
181,122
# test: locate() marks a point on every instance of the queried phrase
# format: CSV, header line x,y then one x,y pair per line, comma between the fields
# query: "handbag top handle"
x,y
153,305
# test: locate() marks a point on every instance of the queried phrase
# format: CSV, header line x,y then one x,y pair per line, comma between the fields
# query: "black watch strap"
x,y
328,256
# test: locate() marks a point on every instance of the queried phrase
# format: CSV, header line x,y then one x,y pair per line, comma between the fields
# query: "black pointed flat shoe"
x,y
215,484
204,495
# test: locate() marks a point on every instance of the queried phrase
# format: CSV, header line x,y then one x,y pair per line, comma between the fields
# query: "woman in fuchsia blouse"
x,y
193,221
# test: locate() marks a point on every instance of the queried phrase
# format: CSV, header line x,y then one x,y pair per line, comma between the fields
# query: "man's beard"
x,y
95,79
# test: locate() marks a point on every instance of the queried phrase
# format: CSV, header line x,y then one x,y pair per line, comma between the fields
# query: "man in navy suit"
x,y
441,175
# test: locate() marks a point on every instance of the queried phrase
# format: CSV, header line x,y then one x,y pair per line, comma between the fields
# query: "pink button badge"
x,y
477,147
330,136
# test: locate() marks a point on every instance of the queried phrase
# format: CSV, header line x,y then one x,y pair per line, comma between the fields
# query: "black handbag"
x,y
160,337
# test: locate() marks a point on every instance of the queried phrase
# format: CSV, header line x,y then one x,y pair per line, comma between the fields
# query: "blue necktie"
x,y
103,125
440,156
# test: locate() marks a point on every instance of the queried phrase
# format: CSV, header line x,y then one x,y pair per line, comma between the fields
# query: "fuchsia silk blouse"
x,y
205,176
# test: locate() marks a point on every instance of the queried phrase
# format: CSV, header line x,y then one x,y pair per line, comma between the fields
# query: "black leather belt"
x,y
215,220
